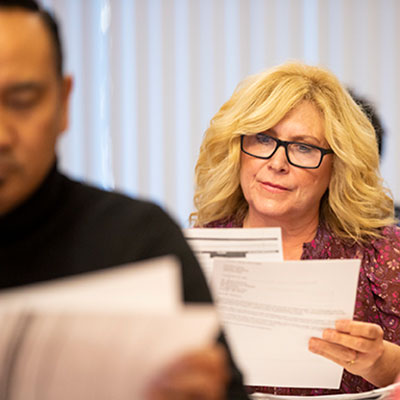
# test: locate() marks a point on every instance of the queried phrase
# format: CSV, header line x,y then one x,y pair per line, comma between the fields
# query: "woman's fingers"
x,y
354,345
357,343
358,328
336,353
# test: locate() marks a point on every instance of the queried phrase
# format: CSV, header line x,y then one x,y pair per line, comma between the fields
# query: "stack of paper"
x,y
270,308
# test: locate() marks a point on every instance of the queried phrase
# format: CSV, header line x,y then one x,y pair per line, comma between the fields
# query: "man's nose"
x,y
6,132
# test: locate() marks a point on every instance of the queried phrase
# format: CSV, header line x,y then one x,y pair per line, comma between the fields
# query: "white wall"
x,y
149,75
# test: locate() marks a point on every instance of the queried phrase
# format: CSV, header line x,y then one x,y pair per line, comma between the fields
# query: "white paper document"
x,y
258,244
270,310
99,336
153,285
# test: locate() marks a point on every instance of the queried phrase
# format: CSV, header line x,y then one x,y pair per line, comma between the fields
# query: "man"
x,y
52,227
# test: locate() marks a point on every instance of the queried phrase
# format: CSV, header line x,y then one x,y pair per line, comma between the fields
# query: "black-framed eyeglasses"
x,y
302,155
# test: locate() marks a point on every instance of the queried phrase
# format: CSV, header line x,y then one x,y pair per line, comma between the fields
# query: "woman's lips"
x,y
274,187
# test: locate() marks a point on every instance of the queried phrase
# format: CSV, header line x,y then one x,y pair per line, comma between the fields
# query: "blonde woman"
x,y
290,148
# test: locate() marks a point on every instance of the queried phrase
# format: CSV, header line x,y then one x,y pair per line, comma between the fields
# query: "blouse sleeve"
x,y
382,267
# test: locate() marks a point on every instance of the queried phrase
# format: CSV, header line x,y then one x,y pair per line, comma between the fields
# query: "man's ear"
x,y
66,88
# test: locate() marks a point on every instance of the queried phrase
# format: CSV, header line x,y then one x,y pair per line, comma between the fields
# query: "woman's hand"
x,y
200,375
359,348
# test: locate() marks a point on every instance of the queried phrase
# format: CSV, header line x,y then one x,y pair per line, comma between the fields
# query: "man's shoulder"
x,y
92,199
113,223
89,209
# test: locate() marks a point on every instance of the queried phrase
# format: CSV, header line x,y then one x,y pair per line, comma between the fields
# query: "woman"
x,y
292,149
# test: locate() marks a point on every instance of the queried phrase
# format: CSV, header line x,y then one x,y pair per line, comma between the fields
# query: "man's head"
x,y
49,22
33,99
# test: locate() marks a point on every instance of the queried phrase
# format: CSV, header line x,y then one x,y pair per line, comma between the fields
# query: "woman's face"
x,y
278,192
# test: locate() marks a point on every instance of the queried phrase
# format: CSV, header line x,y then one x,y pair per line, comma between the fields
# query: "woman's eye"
x,y
264,139
303,148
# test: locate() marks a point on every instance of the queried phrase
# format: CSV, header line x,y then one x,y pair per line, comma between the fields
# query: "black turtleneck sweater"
x,y
67,227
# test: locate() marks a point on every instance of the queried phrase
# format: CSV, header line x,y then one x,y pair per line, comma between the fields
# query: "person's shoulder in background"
x,y
397,213
370,111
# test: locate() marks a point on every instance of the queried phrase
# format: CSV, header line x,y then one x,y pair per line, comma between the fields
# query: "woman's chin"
x,y
267,217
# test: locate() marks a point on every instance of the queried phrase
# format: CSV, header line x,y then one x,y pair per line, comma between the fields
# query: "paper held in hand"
x,y
270,308
100,336
256,244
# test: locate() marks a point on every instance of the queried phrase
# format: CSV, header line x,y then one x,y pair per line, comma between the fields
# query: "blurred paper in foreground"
x,y
97,336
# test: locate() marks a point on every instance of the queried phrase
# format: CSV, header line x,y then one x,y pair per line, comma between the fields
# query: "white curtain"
x,y
149,75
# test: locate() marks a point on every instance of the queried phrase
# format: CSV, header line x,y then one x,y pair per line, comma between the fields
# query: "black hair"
x,y
49,21
368,108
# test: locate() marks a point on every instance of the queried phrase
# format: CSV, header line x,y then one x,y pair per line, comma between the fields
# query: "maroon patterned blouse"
x,y
378,293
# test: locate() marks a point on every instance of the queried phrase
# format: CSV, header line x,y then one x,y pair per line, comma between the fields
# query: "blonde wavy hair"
x,y
356,203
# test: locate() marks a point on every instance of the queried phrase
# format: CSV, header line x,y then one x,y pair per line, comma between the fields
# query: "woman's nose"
x,y
279,161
